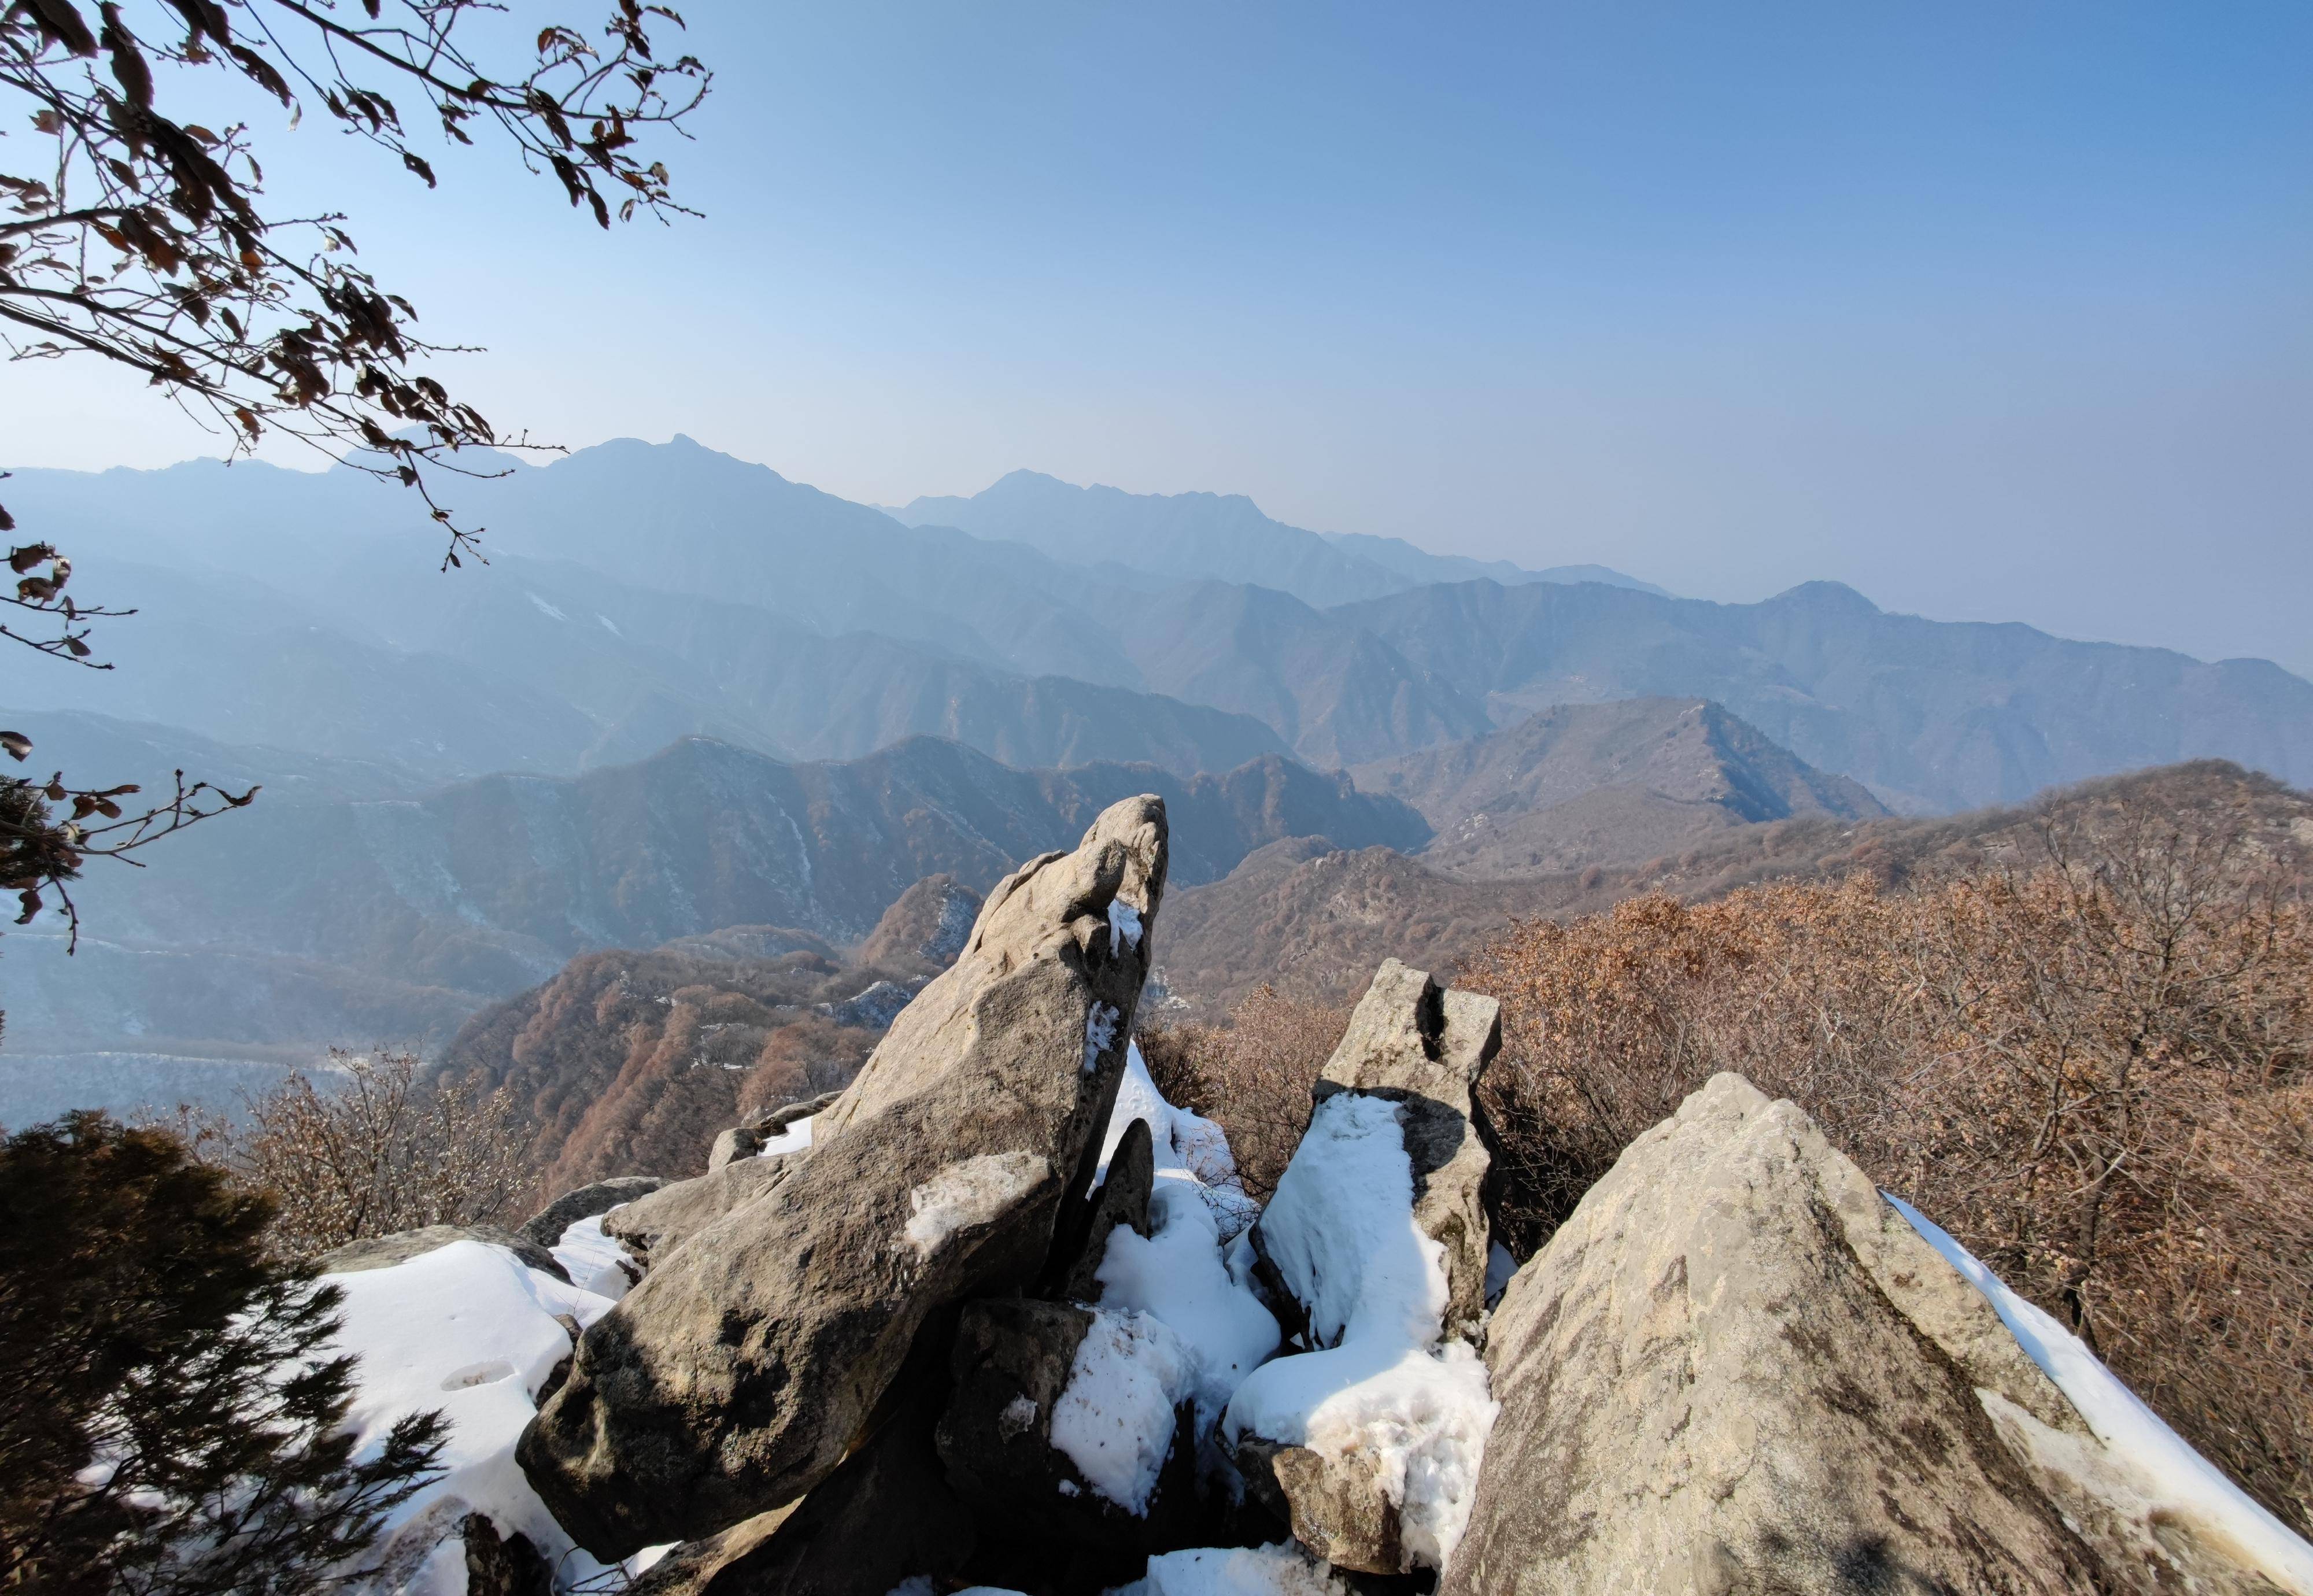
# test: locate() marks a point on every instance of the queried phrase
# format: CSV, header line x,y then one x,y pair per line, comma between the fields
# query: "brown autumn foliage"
x,y
2092,1063
385,1151
1252,1075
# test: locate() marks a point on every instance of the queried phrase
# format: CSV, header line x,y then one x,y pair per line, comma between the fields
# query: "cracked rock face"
x,y
755,1353
1735,1368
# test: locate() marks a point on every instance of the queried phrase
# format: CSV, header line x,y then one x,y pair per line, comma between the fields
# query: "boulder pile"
x,y
1000,1316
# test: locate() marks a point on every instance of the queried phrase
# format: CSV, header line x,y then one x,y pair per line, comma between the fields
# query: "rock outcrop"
x,y
1020,1401
884,1517
1368,1444
1122,1199
757,1350
1735,1368
653,1224
547,1225
1423,1046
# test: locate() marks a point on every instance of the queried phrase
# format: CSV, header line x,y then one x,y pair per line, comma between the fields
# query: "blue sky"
x,y
1994,311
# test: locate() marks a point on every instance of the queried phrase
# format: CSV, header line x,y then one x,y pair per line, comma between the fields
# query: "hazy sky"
x,y
1994,311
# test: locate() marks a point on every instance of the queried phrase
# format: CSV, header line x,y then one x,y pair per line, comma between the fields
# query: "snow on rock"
x,y
971,1192
795,1138
1340,1232
1100,1033
594,1262
1115,1419
1177,1272
1280,1570
2177,1483
1123,924
466,1329
1186,1143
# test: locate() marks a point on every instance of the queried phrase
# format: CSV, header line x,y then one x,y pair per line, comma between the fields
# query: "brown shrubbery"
x,y
1252,1075
2094,1066
386,1151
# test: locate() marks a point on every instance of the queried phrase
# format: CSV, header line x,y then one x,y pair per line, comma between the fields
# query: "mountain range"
x,y
687,695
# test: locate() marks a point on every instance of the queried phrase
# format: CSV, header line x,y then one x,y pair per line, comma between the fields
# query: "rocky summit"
x,y
999,1317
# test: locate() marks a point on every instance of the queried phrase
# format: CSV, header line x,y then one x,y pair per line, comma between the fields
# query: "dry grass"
x,y
2093,1064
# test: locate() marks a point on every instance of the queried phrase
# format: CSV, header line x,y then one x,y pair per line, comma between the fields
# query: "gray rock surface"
x,y
382,1252
1424,1046
886,1516
1122,1199
656,1222
740,1142
546,1226
1419,1049
1011,1362
772,1122
750,1359
1735,1368
502,1564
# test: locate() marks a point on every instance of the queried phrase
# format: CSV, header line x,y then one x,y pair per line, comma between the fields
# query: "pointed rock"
x,y
1122,1200
749,1360
547,1225
1736,1368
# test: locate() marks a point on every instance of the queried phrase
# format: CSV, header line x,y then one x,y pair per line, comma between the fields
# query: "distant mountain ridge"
x,y
1201,537
1581,784
487,887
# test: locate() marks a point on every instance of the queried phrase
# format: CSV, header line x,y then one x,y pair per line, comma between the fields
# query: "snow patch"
x,y
1382,1389
972,1193
1115,1419
1281,1570
1123,924
468,1331
2175,1480
547,609
794,1137
594,1262
1100,1033
1178,1273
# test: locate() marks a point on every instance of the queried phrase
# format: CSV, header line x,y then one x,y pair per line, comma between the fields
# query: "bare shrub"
x,y
1252,1074
387,1151
2091,1065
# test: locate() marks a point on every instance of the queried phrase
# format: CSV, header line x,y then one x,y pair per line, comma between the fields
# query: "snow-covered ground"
x,y
469,1330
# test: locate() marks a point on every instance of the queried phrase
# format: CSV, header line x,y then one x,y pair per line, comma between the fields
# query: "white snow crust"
x,y
1342,1233
2175,1479
1115,1419
795,1137
594,1262
1280,1570
1123,924
467,1330
1176,1274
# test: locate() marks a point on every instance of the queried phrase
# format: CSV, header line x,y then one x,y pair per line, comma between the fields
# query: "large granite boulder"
x,y
1060,1441
1423,1046
750,1359
654,1223
547,1225
1376,1239
1736,1368
885,1517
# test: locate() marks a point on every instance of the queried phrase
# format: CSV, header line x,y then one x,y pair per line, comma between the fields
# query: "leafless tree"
x,y
134,230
